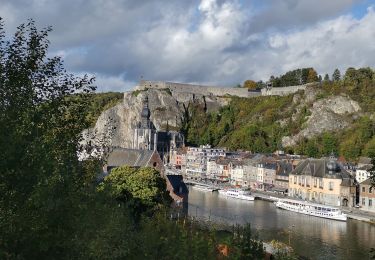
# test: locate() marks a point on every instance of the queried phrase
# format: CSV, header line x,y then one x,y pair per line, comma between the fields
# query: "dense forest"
x,y
253,124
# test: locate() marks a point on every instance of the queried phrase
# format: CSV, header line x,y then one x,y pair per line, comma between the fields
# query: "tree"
x,y
312,76
143,189
246,245
326,77
329,144
336,76
43,185
312,149
250,84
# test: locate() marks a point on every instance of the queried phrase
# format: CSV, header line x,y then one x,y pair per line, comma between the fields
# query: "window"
x,y
363,189
295,179
370,189
315,182
321,183
363,201
331,185
370,202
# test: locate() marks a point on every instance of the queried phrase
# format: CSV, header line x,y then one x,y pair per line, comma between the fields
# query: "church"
x,y
147,137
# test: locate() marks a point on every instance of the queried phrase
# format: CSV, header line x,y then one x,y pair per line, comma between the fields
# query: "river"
x,y
312,237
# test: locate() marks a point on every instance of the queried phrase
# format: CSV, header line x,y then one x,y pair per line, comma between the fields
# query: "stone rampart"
x,y
218,91
284,91
198,89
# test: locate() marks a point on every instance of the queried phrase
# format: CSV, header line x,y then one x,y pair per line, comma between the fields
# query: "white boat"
x,y
237,194
202,188
312,209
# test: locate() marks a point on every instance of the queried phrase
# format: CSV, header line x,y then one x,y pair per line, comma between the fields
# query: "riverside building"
x,y
323,181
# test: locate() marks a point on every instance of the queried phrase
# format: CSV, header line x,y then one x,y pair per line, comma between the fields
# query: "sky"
x,y
211,42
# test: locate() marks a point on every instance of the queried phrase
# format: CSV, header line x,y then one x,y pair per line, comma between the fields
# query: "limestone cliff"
x,y
114,126
326,115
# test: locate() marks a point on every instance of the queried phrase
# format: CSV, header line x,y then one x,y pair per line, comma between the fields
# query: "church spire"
x,y
145,114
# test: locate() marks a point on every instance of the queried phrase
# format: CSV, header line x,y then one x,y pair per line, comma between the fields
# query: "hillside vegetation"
x,y
255,123
99,102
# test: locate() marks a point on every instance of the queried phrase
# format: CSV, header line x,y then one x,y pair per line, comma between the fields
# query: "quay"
x,y
359,215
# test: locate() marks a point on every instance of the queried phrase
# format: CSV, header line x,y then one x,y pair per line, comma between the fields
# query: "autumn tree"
x,y
312,76
250,84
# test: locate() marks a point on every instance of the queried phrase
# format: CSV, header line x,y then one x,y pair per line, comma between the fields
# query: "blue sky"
x,y
216,42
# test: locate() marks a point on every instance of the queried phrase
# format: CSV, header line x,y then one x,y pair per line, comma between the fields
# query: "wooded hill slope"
x,y
259,124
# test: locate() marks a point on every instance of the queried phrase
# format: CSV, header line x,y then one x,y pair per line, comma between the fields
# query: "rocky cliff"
x,y
324,115
312,113
114,126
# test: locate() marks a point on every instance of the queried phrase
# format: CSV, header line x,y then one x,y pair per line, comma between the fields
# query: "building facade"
x,y
367,196
363,173
197,159
323,181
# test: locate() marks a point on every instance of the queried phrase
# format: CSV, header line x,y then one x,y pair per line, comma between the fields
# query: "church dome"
x,y
332,165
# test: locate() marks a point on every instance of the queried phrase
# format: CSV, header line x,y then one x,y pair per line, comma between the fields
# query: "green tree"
x,y
43,185
329,142
140,189
326,77
312,149
336,76
246,244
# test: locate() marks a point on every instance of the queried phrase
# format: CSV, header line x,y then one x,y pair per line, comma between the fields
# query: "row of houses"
x,y
329,181
256,171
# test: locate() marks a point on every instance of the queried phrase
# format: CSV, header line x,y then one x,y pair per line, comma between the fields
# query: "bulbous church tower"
x,y
145,134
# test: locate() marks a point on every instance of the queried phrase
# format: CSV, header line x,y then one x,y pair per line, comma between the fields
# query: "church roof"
x,y
130,157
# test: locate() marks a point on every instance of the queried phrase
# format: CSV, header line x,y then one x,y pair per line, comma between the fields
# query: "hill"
x,y
327,116
332,116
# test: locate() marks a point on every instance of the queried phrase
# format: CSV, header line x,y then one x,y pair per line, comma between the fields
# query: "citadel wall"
x,y
218,91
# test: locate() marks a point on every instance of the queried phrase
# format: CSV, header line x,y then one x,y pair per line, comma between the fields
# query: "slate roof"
x,y
285,168
130,157
366,182
318,168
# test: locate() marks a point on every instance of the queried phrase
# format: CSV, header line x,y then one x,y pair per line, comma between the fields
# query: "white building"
x,y
363,173
197,158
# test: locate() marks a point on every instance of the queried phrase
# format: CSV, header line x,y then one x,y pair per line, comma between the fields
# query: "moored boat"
x,y
237,194
311,209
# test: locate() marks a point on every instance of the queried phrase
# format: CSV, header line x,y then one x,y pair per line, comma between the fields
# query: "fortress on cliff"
x,y
218,91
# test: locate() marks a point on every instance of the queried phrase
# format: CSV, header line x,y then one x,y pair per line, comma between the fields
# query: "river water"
x,y
312,237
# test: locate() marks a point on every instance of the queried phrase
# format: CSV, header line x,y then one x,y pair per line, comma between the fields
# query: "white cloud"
x,y
220,42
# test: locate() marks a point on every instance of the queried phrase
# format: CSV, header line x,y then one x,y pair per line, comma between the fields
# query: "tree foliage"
x,y
140,189
295,77
250,84
255,124
336,76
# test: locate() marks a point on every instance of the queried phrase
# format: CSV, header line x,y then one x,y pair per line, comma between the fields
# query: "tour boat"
x,y
311,209
203,188
237,194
